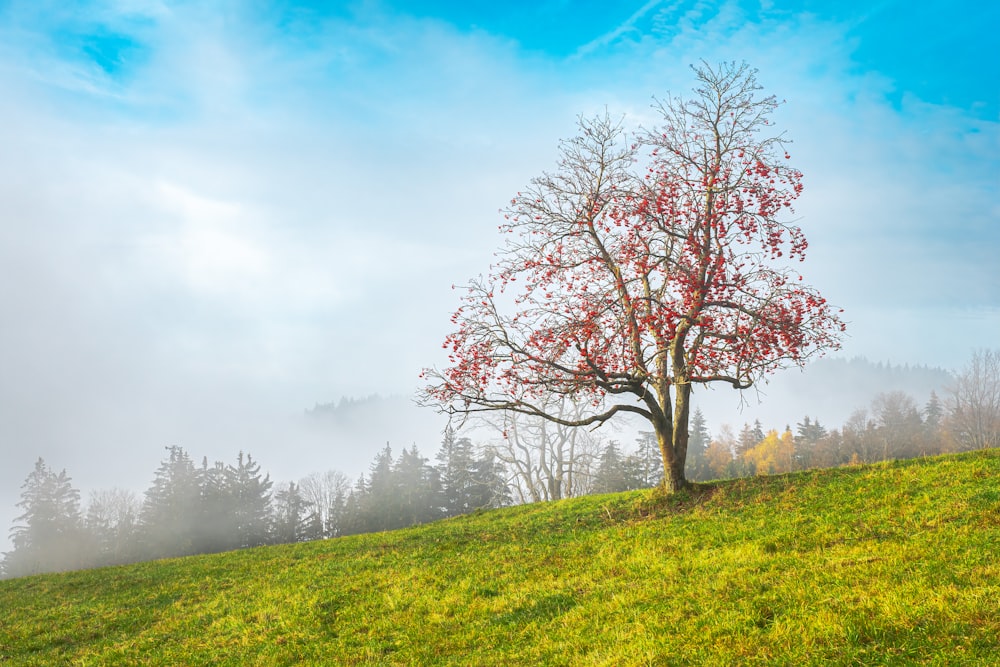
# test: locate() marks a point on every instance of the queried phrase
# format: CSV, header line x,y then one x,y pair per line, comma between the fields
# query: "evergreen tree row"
x,y
191,509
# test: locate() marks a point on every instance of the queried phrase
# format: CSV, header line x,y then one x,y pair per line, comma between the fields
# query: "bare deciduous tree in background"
x,y
545,460
326,495
113,519
974,403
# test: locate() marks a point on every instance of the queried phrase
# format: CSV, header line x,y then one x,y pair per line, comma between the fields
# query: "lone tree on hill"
x,y
641,267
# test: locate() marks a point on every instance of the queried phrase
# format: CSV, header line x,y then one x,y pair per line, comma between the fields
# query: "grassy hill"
x,y
888,564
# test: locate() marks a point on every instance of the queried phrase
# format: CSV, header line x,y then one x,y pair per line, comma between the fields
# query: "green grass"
x,y
889,564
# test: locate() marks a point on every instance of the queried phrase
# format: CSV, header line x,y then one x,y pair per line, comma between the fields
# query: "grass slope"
x,y
888,564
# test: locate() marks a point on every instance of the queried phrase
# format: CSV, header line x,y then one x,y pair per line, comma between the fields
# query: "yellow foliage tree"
x,y
719,458
772,455
719,453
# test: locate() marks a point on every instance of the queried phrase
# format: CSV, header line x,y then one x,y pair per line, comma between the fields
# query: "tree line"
x,y
190,509
195,509
893,426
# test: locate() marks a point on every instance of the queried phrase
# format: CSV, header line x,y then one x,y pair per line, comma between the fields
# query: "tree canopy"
x,y
643,265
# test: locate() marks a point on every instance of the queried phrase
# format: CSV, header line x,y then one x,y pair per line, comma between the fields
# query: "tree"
x,y
698,441
749,437
974,404
468,481
830,452
859,441
933,413
808,434
326,495
170,510
353,519
547,460
610,476
379,503
47,537
112,520
215,520
634,281
898,425
643,465
455,462
719,454
417,492
338,516
773,454
489,484
290,513
251,498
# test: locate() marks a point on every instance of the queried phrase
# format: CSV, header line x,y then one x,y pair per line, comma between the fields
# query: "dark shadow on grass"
x,y
539,610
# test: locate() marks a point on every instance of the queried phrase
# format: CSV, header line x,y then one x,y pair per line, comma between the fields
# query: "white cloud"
x,y
212,251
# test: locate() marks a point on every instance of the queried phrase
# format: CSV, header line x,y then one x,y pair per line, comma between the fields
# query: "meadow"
x,y
894,563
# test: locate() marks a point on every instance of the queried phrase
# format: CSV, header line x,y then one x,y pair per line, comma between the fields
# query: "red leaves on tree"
x,y
644,264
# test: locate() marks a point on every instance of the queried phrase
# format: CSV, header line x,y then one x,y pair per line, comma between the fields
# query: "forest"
x,y
194,508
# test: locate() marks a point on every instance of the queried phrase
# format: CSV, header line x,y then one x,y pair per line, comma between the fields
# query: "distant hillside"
x,y
357,428
892,563
354,411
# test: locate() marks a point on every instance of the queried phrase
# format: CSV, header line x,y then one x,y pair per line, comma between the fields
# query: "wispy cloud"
x,y
629,26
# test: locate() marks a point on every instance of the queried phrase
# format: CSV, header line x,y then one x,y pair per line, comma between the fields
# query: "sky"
x,y
215,215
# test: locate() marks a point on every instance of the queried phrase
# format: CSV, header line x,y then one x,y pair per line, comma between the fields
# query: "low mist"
x,y
122,450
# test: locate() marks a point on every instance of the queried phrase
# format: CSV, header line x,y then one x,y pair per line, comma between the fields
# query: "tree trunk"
x,y
673,465
673,441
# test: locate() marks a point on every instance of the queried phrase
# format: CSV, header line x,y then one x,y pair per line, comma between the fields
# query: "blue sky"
x,y
217,214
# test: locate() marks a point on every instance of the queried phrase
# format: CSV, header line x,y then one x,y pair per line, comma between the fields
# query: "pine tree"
x,y
417,492
611,475
215,523
644,467
251,501
698,440
48,536
933,414
899,427
170,511
313,527
489,488
455,470
808,435
380,504
354,520
289,523
809,432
